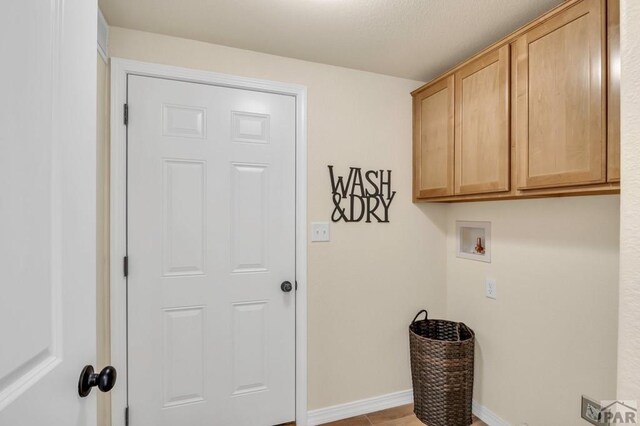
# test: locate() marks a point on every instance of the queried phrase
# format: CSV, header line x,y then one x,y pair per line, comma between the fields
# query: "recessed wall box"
x,y
473,240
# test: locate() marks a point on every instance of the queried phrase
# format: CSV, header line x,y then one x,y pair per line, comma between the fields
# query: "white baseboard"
x,y
357,408
382,402
487,416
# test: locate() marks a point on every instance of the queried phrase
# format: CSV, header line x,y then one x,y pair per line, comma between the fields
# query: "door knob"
x,y
286,287
105,380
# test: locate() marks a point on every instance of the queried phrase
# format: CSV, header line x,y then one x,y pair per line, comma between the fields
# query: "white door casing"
x,y
183,164
47,210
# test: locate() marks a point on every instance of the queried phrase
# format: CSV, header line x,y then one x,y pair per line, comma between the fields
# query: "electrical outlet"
x,y
491,288
590,411
320,231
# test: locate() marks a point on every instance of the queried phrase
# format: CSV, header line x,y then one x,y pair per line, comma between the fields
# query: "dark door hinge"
x,y
126,416
125,266
126,114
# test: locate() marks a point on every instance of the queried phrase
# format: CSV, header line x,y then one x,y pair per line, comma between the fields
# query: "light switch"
x,y
320,231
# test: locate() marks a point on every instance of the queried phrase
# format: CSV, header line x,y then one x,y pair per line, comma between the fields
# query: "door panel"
x,y
482,125
250,213
561,93
183,216
183,344
47,211
250,347
433,143
211,219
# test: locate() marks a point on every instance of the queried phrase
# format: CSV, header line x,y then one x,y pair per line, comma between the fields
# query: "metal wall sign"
x,y
362,195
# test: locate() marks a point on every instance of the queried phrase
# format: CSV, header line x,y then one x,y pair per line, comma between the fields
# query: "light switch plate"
x,y
491,288
320,231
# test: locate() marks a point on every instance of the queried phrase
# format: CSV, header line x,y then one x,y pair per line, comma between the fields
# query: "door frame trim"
x,y
120,69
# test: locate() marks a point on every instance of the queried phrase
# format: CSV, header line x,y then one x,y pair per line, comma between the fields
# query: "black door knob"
x,y
105,380
286,286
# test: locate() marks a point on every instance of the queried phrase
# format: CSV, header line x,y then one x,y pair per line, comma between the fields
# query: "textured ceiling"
x,y
414,39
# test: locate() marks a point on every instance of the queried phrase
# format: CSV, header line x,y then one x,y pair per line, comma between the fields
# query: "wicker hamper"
x,y
442,371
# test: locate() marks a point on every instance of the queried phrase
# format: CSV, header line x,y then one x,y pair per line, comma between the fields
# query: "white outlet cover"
x,y
320,232
491,288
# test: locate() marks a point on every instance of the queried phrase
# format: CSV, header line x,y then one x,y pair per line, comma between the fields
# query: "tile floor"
x,y
398,416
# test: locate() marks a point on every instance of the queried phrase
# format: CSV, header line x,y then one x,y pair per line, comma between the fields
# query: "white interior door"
x,y
211,237
47,210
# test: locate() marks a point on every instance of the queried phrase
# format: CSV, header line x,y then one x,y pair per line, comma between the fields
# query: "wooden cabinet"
x,y
561,92
482,124
613,90
433,140
536,114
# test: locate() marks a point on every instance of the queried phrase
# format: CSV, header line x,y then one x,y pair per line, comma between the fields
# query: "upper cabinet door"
x,y
482,124
613,99
560,99
433,140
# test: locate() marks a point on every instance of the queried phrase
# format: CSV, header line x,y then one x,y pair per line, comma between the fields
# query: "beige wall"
x,y
102,233
629,335
368,282
551,334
